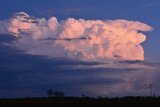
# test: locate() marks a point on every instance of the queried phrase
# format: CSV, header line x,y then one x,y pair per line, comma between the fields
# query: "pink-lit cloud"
x,y
78,39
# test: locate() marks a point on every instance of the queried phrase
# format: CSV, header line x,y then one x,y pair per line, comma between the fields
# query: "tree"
x,y
58,94
50,93
83,96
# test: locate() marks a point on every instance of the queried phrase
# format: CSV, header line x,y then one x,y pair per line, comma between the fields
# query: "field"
x,y
80,102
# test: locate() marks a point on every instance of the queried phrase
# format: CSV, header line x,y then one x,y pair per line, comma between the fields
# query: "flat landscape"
x,y
80,102
77,53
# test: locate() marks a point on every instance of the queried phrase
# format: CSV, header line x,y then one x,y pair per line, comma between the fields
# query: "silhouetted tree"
x,y
99,97
83,96
50,93
58,94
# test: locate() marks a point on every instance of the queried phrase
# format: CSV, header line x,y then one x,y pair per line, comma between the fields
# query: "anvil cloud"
x,y
78,39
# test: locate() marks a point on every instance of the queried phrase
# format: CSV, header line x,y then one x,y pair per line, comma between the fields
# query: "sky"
x,y
139,10
28,66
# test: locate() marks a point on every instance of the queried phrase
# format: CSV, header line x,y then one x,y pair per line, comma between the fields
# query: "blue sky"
x,y
140,10
33,75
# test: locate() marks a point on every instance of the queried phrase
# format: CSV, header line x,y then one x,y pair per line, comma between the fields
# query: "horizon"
x,y
97,48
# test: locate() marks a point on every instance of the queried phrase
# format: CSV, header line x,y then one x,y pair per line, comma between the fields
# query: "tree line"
x,y
54,93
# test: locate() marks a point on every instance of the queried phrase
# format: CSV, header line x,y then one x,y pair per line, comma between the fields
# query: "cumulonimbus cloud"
x,y
79,39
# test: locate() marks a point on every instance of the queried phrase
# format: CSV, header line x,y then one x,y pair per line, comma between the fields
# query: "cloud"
x,y
81,39
22,72
4,27
127,82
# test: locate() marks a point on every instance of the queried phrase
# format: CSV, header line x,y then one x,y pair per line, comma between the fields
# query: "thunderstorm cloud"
x,y
77,39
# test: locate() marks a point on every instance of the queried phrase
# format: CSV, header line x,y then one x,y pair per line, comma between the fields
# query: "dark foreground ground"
x,y
82,102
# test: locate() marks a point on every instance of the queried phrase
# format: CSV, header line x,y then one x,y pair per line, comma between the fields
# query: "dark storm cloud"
x,y
24,75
